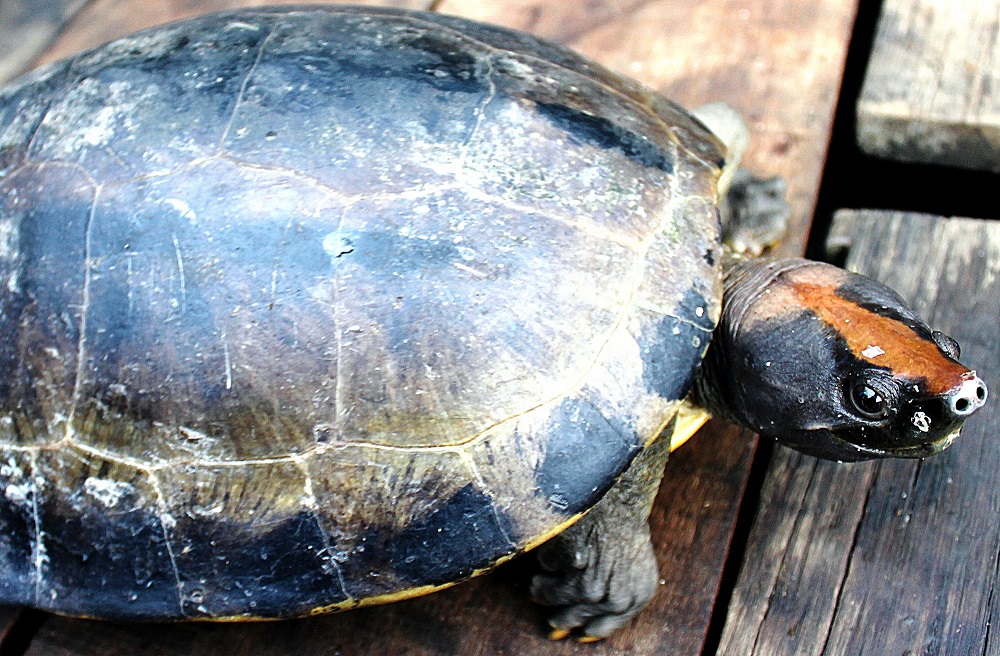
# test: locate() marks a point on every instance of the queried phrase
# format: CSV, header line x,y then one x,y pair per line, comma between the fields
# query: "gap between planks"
x,y
932,90
897,556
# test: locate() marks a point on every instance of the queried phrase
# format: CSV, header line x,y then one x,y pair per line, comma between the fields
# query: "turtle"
x,y
310,308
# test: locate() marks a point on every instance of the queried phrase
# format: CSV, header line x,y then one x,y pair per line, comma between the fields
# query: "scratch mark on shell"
x,y
671,314
474,272
480,111
128,281
277,263
243,89
330,564
81,346
577,223
466,458
39,556
229,362
338,391
162,515
30,141
180,271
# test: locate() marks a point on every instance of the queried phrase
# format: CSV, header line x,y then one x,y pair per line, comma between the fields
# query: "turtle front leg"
x,y
754,213
601,572
753,210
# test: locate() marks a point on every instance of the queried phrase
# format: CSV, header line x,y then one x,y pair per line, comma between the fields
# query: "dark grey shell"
x,y
305,308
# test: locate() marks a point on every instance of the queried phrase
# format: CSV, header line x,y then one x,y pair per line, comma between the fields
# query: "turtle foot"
x,y
754,213
596,580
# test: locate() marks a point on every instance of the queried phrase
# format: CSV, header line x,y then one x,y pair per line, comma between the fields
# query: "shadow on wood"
x,y
27,27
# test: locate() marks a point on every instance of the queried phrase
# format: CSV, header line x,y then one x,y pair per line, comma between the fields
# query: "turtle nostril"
x,y
962,406
969,397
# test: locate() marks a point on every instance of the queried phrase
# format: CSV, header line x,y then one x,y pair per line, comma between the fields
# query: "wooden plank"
x,y
932,90
104,20
894,557
8,618
27,27
780,62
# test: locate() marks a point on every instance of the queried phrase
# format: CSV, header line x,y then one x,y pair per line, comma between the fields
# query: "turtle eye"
x,y
868,402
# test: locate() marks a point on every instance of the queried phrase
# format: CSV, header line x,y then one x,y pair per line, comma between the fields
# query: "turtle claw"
x,y
595,588
755,213
559,634
562,634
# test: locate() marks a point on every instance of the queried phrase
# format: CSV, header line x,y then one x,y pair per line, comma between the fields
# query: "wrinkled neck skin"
x,y
745,280
832,363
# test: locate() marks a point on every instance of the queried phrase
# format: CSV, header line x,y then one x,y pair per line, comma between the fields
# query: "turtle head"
x,y
833,364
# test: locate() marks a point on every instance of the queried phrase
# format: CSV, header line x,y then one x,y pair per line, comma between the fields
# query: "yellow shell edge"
x,y
419,591
689,419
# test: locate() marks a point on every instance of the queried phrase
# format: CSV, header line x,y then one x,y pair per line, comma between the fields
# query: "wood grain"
x,y
8,618
780,63
932,90
104,20
27,27
894,557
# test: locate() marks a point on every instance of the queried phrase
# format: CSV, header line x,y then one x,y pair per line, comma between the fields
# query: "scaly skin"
x,y
601,572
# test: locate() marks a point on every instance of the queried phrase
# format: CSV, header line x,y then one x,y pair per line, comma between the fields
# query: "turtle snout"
x,y
967,397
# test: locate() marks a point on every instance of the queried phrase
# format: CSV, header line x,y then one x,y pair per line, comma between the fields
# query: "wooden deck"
x,y
31,26
930,91
886,558
891,557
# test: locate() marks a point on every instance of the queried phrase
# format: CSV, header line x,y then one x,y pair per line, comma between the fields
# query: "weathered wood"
x,y
104,20
932,90
27,27
894,557
778,61
8,618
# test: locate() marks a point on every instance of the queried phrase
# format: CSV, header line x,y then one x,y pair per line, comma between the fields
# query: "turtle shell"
x,y
307,308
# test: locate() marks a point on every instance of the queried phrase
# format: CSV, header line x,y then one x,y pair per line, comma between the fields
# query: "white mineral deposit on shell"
x,y
921,421
872,351
182,207
108,492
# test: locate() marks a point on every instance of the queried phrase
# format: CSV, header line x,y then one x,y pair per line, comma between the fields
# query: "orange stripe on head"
x,y
873,338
